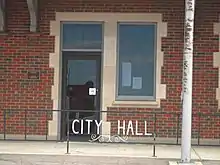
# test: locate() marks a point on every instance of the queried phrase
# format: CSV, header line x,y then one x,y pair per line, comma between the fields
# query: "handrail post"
x,y
4,123
25,124
178,124
199,119
47,124
154,145
154,135
68,134
68,126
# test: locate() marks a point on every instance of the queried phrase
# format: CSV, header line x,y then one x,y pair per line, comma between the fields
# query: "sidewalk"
x,y
106,149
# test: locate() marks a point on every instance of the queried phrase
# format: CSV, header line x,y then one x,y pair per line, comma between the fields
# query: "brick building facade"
x,y
23,52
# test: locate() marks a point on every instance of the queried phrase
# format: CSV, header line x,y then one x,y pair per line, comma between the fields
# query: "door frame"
x,y
82,55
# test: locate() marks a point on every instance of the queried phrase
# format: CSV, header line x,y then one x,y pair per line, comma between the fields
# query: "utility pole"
x,y
187,82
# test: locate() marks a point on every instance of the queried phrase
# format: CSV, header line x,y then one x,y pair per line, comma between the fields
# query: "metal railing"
x,y
161,126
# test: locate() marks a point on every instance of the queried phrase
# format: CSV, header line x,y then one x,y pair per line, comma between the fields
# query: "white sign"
x,y
126,74
137,83
92,91
132,128
127,128
88,122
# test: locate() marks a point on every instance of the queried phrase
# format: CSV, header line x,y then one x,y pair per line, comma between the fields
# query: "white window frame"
x,y
135,98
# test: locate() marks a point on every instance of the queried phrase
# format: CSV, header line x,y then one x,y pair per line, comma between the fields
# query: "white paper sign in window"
x,y
137,83
126,74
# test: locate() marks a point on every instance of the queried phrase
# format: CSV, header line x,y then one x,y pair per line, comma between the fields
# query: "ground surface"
x,y
82,160
52,153
75,160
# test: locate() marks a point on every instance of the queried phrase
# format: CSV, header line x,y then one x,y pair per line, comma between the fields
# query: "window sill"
x,y
137,104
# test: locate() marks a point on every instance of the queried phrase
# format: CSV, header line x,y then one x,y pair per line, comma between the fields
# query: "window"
x,y
82,36
136,61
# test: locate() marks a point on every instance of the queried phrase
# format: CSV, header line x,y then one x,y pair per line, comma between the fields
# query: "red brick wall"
x,y
22,51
